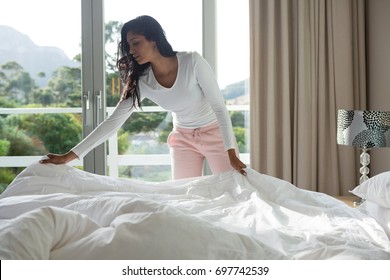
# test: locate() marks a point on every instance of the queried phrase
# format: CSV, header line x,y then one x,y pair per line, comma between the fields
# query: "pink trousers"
x,y
190,147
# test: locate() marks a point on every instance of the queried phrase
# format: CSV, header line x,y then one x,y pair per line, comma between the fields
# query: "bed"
x,y
61,212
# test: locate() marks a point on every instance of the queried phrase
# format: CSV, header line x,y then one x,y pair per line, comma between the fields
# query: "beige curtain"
x,y
307,61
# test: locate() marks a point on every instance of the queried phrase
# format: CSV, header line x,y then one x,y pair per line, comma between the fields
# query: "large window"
x,y
40,81
233,65
139,150
48,95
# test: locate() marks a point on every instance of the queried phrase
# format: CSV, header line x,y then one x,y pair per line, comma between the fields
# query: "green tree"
x,y
44,96
238,118
3,82
112,32
7,175
123,141
113,89
240,134
58,132
4,147
21,143
113,85
141,122
66,86
6,103
16,84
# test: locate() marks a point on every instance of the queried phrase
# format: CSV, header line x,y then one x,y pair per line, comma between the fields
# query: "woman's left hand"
x,y
235,162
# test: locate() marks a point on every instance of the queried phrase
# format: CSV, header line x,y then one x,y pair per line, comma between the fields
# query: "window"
x,y
139,150
233,66
40,82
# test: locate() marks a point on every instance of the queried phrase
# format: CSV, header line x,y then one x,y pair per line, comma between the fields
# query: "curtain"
x,y
307,61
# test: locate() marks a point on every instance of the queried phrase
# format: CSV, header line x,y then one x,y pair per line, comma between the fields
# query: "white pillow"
x,y
375,189
379,213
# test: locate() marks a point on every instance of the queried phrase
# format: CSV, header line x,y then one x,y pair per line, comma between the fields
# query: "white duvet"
x,y
60,212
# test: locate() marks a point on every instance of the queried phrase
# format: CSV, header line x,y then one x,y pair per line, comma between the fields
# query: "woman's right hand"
x,y
59,159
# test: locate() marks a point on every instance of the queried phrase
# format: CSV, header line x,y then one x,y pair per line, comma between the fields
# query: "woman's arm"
x,y
235,162
100,134
59,159
208,83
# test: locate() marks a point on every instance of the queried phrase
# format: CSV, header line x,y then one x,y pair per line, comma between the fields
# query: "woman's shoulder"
x,y
189,54
191,57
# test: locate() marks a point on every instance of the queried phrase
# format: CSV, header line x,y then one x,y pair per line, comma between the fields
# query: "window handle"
x,y
86,99
99,106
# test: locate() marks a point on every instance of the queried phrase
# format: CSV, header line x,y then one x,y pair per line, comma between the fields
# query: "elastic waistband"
x,y
199,129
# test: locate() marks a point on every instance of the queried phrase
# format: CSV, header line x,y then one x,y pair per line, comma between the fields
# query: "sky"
x,y
57,23
43,21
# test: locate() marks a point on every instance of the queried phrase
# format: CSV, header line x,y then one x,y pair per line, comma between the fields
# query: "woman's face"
x,y
142,49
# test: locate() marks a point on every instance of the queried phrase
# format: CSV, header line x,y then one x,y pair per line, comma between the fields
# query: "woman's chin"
x,y
141,62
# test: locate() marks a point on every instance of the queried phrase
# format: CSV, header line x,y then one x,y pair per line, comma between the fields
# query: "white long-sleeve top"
x,y
194,99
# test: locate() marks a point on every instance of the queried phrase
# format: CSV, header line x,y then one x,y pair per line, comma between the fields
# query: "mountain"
x,y
18,47
237,93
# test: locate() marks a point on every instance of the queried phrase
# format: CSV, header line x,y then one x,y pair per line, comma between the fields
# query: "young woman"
x,y
180,82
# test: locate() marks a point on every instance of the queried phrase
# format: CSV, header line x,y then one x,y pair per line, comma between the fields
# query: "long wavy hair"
x,y
129,69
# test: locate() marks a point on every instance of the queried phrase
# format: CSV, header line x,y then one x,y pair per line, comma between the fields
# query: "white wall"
x,y
378,71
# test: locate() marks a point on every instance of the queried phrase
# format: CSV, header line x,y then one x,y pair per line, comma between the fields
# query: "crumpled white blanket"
x,y
60,212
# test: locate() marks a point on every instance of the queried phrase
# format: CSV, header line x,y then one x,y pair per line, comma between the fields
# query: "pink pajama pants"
x,y
190,147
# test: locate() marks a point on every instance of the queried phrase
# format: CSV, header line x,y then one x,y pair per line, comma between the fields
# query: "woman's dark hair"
x,y
130,70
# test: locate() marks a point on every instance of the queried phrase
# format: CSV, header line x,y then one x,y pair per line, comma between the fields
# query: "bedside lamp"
x,y
364,130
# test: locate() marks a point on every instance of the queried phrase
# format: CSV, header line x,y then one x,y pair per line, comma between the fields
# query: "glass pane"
x,y
40,81
141,143
232,41
233,65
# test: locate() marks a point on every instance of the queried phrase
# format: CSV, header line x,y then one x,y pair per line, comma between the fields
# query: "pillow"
x,y
379,213
376,189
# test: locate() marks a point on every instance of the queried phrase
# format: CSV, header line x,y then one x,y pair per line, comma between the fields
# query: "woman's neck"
x,y
164,65
165,70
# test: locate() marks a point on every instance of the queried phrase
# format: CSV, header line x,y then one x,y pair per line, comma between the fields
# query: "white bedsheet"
x,y
60,212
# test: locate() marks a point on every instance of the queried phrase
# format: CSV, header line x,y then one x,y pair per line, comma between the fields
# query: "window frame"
x,y
93,91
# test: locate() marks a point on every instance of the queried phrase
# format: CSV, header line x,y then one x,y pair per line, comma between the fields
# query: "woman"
x,y
180,82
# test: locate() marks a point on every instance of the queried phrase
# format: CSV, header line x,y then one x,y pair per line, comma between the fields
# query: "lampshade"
x,y
363,129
